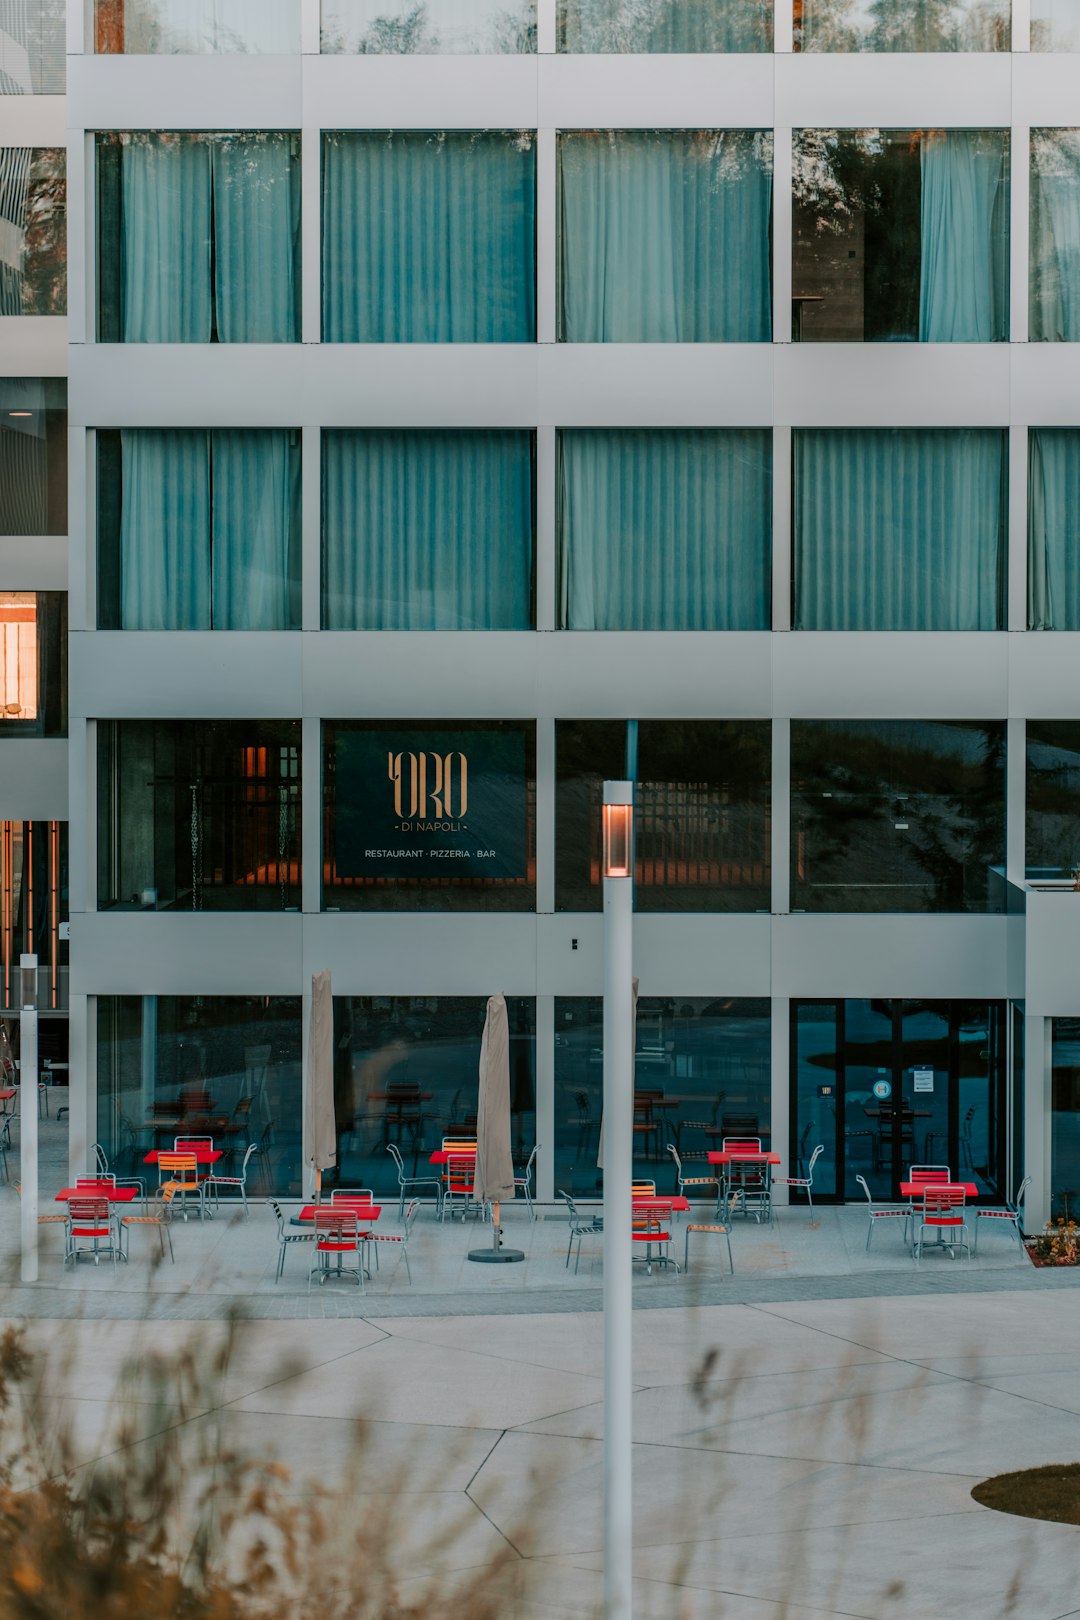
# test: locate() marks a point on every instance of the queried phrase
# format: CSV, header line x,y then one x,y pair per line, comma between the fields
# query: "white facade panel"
x,y
1053,952
1046,89
422,92
33,562
33,121
33,779
893,91
653,92
183,954
903,675
1044,675
382,954
893,384
881,955
34,345
117,675
185,92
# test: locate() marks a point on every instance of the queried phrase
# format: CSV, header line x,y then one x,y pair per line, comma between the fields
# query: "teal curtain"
x,y
1054,529
664,236
1054,306
429,237
165,239
209,238
256,237
427,530
687,26
900,529
665,529
209,530
165,530
964,270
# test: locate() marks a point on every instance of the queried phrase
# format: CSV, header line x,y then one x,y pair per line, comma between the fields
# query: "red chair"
x,y
458,1185
337,1234
650,1228
89,1222
943,1213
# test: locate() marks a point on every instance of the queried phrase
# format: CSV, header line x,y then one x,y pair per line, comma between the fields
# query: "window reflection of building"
x,y
18,655
34,908
33,663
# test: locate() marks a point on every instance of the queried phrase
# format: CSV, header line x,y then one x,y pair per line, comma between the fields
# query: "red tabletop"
x,y
443,1155
100,1189
7,1094
915,1189
362,1210
663,1204
719,1157
203,1155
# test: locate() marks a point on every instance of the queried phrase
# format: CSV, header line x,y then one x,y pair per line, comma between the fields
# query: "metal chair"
x,y
213,1183
684,1181
102,1162
183,1169
401,1238
337,1234
721,1227
524,1181
579,1228
90,1222
805,1183
160,1218
458,1187
1013,1214
285,1237
883,1212
405,1183
650,1227
943,1213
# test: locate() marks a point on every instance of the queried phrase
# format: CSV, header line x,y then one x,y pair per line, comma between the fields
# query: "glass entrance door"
x,y
884,1084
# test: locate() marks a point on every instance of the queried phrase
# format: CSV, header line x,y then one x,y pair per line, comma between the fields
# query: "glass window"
x,y
33,664
229,1067
429,236
33,455
427,530
898,25
702,824
664,236
431,28
33,46
1065,1118
900,235
1054,529
1053,798
898,815
33,228
199,530
34,879
1055,236
663,26
195,27
1055,25
405,1072
701,1072
900,528
199,815
198,237
665,529
429,815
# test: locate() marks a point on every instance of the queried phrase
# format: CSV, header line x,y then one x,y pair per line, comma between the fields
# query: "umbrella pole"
x,y
318,1186
497,1255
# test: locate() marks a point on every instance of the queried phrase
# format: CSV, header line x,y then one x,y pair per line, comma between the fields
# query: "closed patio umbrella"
x,y
494,1175
319,1123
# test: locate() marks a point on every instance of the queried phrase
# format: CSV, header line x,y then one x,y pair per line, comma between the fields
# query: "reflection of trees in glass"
x,y
33,203
661,26
196,27
428,27
902,25
885,820
32,47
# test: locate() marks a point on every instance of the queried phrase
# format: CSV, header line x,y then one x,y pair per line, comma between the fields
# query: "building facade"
x,y
467,403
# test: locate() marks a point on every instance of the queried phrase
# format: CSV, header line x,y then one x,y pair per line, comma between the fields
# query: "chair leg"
x,y
405,1257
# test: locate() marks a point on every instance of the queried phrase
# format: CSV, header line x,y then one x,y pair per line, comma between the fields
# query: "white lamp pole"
x,y
28,1114
618,868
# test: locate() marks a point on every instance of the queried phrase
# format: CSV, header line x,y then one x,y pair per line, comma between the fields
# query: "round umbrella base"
x,y
497,1257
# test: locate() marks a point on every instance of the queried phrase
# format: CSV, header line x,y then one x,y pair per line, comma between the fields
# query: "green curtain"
x,y
665,529
429,237
964,268
1054,303
1054,529
900,529
427,530
664,236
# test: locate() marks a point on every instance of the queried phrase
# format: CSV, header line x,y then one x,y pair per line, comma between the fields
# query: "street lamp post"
x,y
28,1114
618,869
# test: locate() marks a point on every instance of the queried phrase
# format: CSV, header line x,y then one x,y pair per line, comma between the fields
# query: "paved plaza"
x,y
807,1432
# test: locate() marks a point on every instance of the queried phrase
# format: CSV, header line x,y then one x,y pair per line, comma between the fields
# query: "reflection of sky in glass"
x,y
1055,25
428,27
904,25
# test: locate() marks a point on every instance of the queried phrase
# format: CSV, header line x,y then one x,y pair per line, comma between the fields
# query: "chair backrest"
x,y
862,1183
571,1207
940,1198
101,1159
184,1144
741,1144
647,1222
929,1172
167,1192
530,1162
459,1144
643,1189
182,1164
94,1181
252,1147
411,1210
338,1223
399,1162
814,1157
88,1209
461,1172
1018,1201
352,1195
673,1150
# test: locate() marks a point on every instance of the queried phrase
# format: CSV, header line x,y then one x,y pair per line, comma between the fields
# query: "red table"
x,y
718,1156
443,1156
915,1189
202,1155
361,1209
99,1189
660,1203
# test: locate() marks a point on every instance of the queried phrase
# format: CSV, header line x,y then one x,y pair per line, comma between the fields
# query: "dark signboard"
x,y
431,804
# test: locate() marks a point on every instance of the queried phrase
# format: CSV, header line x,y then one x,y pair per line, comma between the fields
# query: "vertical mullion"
x,y
1015,799
780,1069
1021,25
1017,528
311,800
546,537
780,817
545,814
781,529
545,1099
782,233
311,234
310,30
545,235
1019,194
546,27
311,526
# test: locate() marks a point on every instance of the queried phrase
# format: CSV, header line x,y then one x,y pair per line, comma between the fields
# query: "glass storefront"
x,y
701,1072
702,833
199,815
884,1084
229,1067
406,1071
1065,1119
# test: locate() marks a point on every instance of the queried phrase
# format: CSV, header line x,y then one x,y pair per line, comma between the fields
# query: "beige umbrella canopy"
x,y
493,1178
319,1124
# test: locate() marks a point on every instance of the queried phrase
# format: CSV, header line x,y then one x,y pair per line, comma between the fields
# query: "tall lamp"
x,y
618,870
28,1113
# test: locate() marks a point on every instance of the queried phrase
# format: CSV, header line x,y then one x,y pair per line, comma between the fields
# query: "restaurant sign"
x,y
431,804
